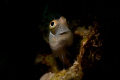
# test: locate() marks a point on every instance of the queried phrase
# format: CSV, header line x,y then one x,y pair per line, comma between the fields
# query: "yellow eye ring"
x,y
52,24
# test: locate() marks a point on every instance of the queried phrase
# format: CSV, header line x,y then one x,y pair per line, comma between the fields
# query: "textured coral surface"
x,y
90,53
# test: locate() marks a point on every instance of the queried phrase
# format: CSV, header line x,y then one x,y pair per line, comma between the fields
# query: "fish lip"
x,y
65,32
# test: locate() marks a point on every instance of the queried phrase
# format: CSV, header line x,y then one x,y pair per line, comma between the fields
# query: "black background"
x,y
20,35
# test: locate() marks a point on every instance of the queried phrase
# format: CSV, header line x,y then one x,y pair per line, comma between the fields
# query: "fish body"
x,y
60,38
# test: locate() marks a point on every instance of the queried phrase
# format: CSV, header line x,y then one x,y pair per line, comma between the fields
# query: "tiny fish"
x,y
60,39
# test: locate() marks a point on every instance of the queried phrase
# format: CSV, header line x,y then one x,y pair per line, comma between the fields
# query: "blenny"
x,y
60,39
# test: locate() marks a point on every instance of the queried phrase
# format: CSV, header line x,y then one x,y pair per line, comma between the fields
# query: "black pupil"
x,y
52,23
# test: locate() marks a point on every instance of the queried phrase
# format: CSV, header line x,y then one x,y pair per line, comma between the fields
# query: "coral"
x,y
47,76
73,73
90,53
48,60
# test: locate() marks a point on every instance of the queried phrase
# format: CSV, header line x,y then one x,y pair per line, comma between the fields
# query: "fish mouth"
x,y
64,33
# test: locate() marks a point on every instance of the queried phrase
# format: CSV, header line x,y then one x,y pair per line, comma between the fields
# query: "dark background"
x,y
21,37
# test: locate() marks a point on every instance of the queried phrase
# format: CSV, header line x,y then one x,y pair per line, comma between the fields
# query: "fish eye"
x,y
52,24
